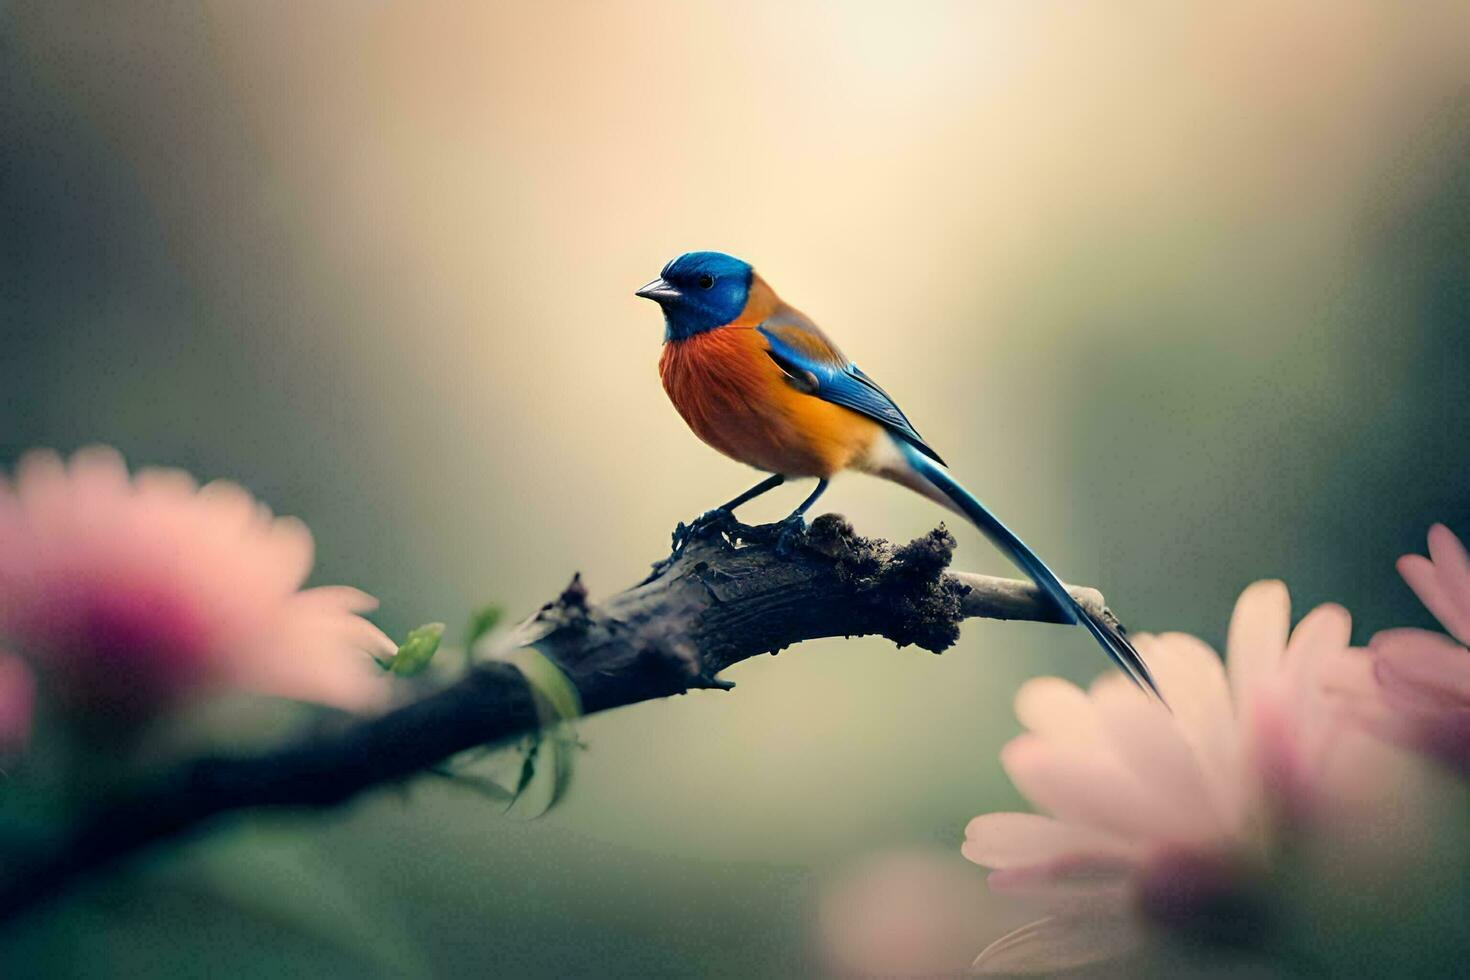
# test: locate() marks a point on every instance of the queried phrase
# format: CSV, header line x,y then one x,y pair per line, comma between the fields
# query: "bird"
x,y
760,382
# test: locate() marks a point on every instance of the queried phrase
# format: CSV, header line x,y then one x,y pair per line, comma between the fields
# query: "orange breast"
x,y
736,399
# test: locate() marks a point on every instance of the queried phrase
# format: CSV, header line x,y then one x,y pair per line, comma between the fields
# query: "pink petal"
x,y
1192,679
1452,567
98,472
1257,637
1419,664
1150,743
1323,632
1057,710
174,485
1277,758
1003,840
294,549
335,677
1349,674
229,505
40,485
1422,576
1059,943
1351,689
1187,670
338,597
1089,789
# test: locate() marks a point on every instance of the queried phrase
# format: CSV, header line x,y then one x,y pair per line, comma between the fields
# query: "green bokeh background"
x,y
1182,290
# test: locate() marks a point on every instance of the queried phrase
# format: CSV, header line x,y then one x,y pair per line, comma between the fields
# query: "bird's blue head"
x,y
700,291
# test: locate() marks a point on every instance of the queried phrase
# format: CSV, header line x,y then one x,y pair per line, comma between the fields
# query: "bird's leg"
x,y
685,533
793,528
769,483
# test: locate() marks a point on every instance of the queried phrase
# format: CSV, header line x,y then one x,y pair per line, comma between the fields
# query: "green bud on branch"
x,y
417,650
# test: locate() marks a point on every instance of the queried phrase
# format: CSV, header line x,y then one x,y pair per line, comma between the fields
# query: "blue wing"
x,y
817,367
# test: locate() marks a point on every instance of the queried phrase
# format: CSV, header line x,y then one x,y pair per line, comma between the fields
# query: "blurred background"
x,y
1182,291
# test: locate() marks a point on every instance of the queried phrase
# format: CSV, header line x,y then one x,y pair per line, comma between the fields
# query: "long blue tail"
x,y
1108,636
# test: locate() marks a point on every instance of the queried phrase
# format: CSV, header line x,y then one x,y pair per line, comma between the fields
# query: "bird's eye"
x,y
706,281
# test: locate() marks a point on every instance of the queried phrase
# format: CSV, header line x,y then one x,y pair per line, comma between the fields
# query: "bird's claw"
x,y
685,533
718,517
790,533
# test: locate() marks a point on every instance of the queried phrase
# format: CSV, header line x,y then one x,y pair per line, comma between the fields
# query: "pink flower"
x,y
1424,677
1170,812
129,595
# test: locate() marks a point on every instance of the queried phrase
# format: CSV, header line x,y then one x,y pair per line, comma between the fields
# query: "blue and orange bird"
x,y
760,382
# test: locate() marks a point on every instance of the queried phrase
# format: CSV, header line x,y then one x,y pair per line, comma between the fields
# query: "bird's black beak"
x,y
659,291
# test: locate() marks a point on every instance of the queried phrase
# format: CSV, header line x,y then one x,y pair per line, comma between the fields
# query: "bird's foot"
x,y
790,533
716,519
719,517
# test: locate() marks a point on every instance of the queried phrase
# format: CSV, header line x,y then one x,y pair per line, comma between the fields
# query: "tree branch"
x,y
727,597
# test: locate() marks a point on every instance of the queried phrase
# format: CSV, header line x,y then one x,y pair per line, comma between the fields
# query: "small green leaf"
x,y
556,697
417,650
558,705
564,746
528,770
483,785
482,621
